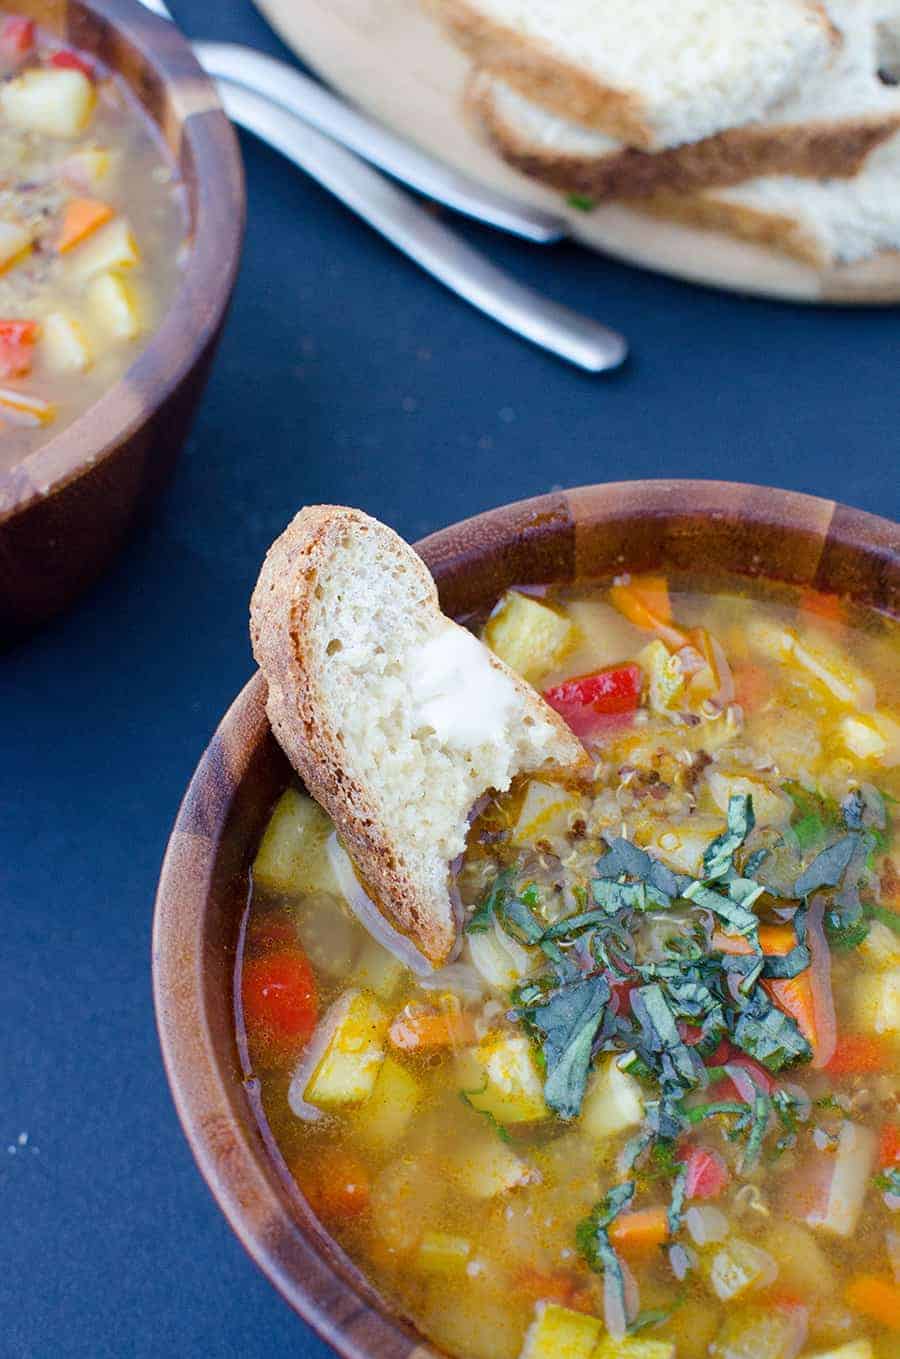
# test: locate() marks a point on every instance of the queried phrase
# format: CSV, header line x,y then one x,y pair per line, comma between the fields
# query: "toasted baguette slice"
x,y
823,223
396,718
653,75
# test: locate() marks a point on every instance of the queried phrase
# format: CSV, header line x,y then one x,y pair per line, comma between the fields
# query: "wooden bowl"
x,y
592,531
67,508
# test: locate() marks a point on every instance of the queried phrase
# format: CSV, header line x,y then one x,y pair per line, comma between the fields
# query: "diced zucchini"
x,y
881,947
484,1167
530,637
385,1116
49,100
113,306
442,1254
560,1333
110,249
856,1349
759,1334
634,1348
738,1267
292,856
509,1085
64,344
348,1069
613,1101
770,807
853,1165
545,812
878,1001
498,958
15,240
378,970
665,676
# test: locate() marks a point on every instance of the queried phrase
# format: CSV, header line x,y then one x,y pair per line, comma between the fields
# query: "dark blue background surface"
x,y
344,375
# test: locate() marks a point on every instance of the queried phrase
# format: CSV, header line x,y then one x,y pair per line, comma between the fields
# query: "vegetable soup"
x,y
651,1110
92,230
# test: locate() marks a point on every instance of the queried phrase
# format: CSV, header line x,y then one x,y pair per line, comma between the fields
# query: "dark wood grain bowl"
x,y
67,508
594,531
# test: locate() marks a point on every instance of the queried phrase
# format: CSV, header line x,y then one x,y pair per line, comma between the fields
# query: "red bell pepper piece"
x,y
16,37
17,341
71,61
589,701
706,1174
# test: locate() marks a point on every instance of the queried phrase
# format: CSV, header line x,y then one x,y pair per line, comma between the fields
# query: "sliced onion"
x,y
312,1056
461,979
368,914
743,1082
892,1241
820,977
616,1315
706,1224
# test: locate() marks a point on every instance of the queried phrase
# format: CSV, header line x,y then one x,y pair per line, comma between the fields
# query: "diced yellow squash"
x,y
878,1001
665,676
509,1086
440,1253
545,812
21,409
770,806
378,970
49,100
484,1166
738,1267
499,959
349,1067
802,1263
15,241
292,856
682,846
875,736
632,1347
385,1116
530,637
64,345
560,1333
881,947
856,1349
113,306
109,250
759,1333
612,1103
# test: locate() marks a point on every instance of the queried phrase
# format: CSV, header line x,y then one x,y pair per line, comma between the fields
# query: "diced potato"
x,y
89,168
854,1164
472,1318
55,102
292,856
113,306
856,1349
530,637
613,1101
378,970
634,1348
348,1069
484,1166
738,1267
605,637
818,657
872,737
110,249
508,1085
22,409
665,676
64,344
682,847
442,1254
881,947
386,1114
770,807
545,812
759,1334
15,240
878,1001
560,1333
802,1263
499,959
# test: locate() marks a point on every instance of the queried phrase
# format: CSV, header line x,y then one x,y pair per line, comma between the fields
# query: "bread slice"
x,y
821,222
825,130
396,718
652,75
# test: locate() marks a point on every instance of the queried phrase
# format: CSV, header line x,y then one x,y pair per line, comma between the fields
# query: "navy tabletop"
x,y
344,375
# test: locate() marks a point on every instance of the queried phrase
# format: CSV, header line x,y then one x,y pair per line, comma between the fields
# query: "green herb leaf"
x,y
495,1123
768,1035
567,1024
518,920
581,202
500,889
733,913
719,856
889,1181
828,868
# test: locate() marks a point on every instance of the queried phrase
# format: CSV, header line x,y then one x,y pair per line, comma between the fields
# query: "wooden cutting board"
x,y
393,60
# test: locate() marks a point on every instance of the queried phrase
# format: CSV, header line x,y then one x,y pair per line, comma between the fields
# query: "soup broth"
x,y
651,1111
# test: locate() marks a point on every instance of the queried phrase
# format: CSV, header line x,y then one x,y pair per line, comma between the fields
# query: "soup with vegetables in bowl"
x,y
651,1110
92,230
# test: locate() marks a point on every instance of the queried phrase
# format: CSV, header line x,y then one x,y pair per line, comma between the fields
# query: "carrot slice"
x,y
878,1299
81,217
889,1148
431,1029
562,1289
338,1188
645,602
639,1232
752,686
859,1054
824,608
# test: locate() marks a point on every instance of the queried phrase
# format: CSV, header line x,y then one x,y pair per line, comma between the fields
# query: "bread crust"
x,y
775,231
538,74
282,622
815,150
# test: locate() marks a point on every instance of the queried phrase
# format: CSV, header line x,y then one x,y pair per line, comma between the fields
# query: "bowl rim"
x,y
204,288
325,1289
